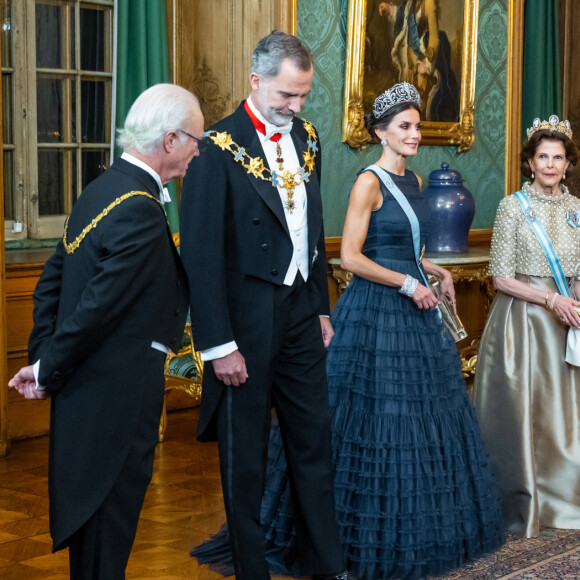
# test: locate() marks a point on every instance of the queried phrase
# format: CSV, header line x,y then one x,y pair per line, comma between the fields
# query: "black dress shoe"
x,y
346,575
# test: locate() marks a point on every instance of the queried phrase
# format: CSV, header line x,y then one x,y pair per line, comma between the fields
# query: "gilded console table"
x,y
469,267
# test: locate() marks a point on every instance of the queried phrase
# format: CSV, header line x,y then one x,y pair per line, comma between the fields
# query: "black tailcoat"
x,y
233,234
236,249
96,312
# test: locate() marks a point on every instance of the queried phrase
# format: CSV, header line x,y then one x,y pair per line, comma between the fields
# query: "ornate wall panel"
x,y
322,26
213,44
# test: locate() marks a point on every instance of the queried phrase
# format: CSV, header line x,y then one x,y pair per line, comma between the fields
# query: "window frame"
x,y
26,146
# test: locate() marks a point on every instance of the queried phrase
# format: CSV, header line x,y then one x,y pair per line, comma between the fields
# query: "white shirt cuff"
x,y
159,346
218,351
36,370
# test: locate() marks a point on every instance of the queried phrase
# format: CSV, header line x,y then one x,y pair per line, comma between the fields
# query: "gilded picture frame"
x,y
380,54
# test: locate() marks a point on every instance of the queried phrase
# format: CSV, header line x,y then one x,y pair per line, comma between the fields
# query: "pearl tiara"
x,y
552,124
399,93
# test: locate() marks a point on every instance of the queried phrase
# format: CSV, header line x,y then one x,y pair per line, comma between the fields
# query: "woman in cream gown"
x,y
527,396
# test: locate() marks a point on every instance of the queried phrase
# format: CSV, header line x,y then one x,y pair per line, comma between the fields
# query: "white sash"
x,y
573,339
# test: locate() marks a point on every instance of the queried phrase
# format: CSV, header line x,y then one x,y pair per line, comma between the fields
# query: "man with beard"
x,y
252,243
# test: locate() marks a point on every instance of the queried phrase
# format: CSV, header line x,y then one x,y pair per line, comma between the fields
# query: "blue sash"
x,y
545,242
400,198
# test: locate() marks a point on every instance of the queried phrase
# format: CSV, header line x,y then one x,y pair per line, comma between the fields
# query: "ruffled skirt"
x,y
413,487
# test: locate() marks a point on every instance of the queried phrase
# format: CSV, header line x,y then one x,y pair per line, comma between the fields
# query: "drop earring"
x,y
384,142
564,176
532,175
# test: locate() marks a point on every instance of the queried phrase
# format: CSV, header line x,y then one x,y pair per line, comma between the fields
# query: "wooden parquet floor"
x,y
183,507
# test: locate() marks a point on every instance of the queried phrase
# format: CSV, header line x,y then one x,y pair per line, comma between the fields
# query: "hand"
x,y
448,290
25,383
565,310
231,369
327,330
424,297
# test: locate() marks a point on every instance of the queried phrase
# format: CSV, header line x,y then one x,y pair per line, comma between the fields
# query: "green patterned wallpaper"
x,y
322,26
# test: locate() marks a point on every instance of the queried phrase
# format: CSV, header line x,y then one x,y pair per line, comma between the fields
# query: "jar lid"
x,y
445,176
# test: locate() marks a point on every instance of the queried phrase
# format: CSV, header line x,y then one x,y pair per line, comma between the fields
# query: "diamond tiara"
x,y
399,93
552,124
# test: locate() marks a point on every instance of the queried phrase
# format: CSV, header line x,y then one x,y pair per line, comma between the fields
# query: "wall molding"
x,y
515,61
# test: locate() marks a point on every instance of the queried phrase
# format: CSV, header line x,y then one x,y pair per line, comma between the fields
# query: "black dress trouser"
x,y
100,549
288,371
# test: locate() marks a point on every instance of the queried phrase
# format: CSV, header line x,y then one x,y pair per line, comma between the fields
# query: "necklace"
x,y
71,247
255,165
529,189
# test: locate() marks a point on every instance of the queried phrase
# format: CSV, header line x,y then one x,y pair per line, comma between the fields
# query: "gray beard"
x,y
277,118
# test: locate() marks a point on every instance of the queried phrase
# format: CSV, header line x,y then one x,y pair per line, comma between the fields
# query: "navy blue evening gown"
x,y
413,487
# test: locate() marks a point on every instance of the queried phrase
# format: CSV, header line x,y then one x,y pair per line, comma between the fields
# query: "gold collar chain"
x,y
72,246
255,165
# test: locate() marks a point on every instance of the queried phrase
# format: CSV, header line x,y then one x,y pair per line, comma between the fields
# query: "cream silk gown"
x,y
526,396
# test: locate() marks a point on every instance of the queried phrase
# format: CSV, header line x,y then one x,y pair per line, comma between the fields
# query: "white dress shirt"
x,y
163,193
297,220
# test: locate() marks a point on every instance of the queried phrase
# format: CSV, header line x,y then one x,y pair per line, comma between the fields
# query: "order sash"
x,y
545,242
400,198
573,339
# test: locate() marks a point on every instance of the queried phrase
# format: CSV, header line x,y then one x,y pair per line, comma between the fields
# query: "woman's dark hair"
x,y
531,146
372,123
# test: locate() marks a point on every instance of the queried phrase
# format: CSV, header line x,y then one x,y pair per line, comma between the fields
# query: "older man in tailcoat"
x,y
109,305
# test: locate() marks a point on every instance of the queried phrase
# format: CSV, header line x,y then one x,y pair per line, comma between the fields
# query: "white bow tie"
x,y
273,129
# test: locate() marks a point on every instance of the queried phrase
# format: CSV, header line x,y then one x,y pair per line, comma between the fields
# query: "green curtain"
x,y
542,83
142,61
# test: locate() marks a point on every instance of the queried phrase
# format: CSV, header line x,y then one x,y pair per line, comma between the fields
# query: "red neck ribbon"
x,y
260,127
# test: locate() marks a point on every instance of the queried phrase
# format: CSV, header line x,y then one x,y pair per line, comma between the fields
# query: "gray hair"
x,y
273,49
159,109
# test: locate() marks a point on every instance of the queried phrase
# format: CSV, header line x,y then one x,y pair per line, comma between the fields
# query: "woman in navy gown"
x,y
413,488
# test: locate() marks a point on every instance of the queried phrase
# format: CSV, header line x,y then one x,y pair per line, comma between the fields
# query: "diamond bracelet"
x,y
409,286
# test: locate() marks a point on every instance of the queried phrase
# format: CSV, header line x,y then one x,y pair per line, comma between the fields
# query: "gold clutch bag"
x,y
450,319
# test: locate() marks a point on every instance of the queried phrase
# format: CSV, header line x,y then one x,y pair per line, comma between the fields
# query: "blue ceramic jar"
x,y
452,208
